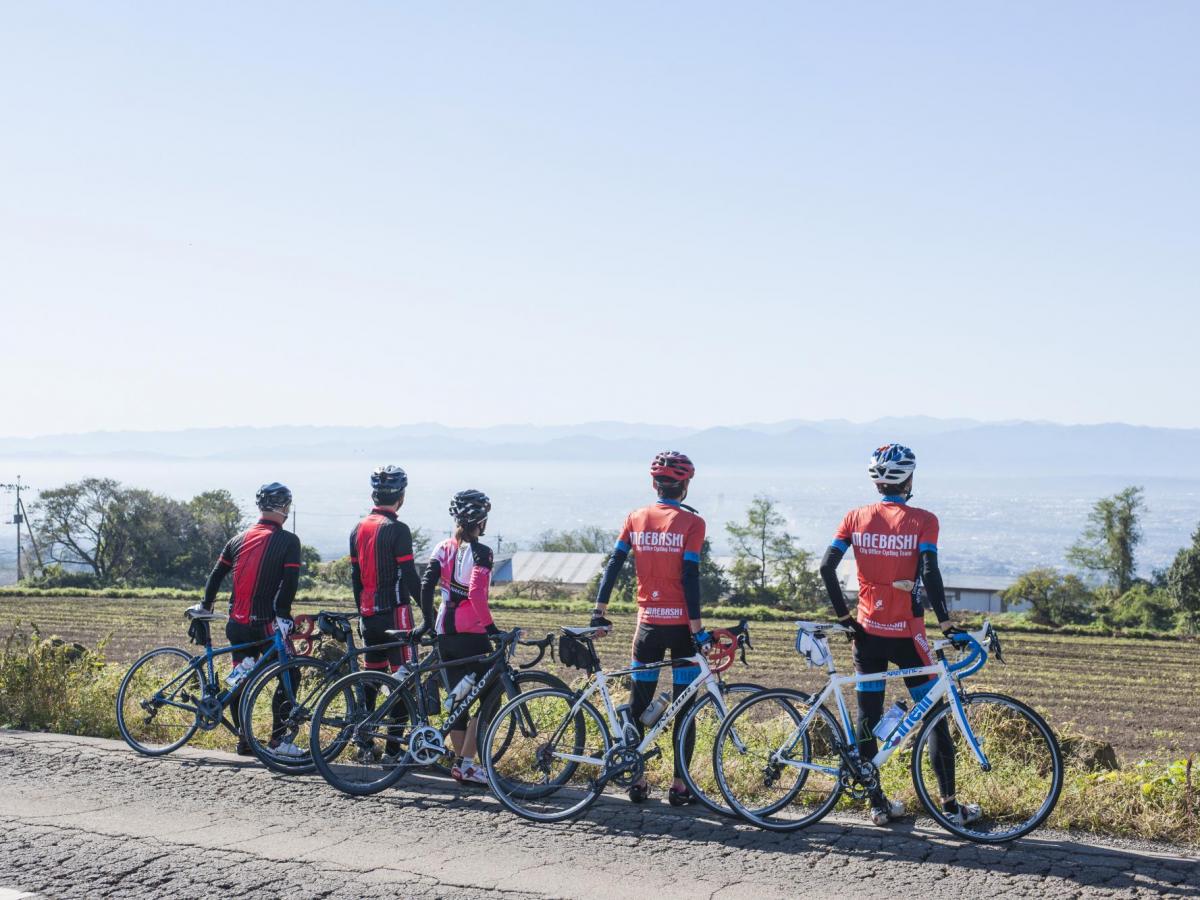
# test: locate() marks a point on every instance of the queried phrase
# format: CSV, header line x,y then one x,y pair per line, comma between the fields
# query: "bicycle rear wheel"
x,y
156,711
277,710
523,682
549,770
1021,785
703,721
770,770
358,739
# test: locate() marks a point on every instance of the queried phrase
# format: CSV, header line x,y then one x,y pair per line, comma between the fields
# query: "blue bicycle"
x,y
168,694
783,758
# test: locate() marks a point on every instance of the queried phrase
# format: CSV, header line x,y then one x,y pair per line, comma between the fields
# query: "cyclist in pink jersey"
x,y
461,569
895,548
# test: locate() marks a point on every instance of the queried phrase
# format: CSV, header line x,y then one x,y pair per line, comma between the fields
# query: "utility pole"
x,y
19,518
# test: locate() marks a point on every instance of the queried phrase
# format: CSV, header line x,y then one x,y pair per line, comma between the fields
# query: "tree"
x,y
591,539
1142,606
1108,545
1183,583
769,565
1056,599
77,525
310,565
756,544
714,584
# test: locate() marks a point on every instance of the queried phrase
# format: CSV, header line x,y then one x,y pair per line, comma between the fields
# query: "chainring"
x,y
425,745
209,711
861,784
624,766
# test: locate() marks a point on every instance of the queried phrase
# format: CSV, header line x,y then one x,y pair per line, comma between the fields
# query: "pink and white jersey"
x,y
465,573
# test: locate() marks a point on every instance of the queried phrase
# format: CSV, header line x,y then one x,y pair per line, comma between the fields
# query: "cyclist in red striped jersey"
x,y
383,572
265,562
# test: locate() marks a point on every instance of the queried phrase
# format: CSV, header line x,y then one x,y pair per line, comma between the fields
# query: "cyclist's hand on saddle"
x,y
851,623
957,635
419,633
284,625
599,621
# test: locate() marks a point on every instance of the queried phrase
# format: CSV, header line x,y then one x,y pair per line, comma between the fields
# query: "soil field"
x,y
1137,695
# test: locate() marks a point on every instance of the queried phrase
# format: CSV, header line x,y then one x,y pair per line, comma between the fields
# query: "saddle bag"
x,y
577,654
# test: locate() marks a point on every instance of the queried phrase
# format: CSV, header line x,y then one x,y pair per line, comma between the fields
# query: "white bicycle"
x,y
562,753
782,759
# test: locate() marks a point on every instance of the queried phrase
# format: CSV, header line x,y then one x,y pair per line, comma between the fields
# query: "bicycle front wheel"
x,y
554,756
1017,790
277,710
360,732
776,760
156,703
698,728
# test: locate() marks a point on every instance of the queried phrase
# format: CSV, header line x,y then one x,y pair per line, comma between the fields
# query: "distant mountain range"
x,y
963,446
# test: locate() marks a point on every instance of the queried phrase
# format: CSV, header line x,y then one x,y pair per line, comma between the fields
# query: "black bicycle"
x,y
278,733
368,729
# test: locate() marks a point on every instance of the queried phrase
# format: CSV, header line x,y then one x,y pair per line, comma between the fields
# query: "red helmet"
x,y
671,465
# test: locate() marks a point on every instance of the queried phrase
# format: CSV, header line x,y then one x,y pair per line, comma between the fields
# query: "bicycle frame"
x,y
946,686
706,680
204,664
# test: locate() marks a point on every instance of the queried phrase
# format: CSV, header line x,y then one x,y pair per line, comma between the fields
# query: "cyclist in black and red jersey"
x,y
895,548
265,562
383,572
666,539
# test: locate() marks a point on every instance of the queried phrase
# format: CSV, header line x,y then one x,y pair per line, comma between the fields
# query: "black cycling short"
x,y
374,631
872,653
461,646
237,633
651,644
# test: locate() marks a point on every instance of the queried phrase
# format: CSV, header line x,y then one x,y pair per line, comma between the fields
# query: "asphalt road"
x,y
82,817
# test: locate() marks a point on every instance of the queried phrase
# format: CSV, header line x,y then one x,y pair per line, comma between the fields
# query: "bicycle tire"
x,y
298,717
333,733
706,798
491,703
1008,772
827,789
516,796
188,724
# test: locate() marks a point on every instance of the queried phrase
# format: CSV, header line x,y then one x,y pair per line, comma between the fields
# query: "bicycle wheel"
x,y
523,682
549,770
701,723
1024,777
156,703
770,770
359,734
276,711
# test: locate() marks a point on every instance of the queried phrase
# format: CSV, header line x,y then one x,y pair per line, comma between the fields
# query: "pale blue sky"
x,y
694,213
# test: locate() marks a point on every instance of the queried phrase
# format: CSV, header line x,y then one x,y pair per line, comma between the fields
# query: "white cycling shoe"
x,y
288,750
470,774
967,813
887,811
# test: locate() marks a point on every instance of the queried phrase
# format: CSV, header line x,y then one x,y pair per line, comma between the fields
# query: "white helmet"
x,y
892,464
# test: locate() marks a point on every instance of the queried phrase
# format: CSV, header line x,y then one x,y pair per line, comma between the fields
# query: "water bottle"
x,y
240,671
460,690
651,713
890,720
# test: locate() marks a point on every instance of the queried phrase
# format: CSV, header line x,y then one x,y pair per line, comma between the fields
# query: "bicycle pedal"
x,y
653,754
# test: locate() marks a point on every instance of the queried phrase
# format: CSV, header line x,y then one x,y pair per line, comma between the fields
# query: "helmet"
x,y
892,464
273,496
671,465
470,507
389,480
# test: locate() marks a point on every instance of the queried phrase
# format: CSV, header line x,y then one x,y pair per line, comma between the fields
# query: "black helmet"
x,y
470,507
389,480
273,496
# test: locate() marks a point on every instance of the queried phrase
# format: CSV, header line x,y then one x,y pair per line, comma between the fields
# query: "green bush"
x,y
47,684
